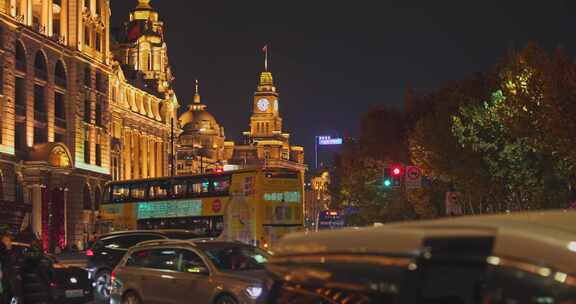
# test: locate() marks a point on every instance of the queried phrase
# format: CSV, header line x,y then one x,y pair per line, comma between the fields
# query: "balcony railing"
x,y
20,110
40,116
60,122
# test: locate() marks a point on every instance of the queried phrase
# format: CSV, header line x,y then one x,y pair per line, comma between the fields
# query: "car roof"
x,y
129,232
192,243
547,237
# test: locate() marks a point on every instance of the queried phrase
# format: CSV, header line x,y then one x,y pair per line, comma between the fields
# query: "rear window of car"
x,y
127,241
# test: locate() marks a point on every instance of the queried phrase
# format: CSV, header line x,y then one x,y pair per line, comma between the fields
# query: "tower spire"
x,y
196,92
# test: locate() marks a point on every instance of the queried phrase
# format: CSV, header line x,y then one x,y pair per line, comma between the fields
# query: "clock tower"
x,y
265,120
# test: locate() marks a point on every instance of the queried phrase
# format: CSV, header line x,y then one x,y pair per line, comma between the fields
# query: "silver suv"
x,y
172,271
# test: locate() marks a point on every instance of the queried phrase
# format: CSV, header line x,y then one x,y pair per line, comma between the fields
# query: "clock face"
x,y
275,105
263,104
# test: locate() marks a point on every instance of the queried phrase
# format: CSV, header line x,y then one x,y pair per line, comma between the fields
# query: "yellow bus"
x,y
253,206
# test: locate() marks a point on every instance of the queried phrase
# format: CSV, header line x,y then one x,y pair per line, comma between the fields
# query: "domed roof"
x,y
197,118
186,117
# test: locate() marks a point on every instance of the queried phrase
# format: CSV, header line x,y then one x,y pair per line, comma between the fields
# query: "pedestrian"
x,y
11,277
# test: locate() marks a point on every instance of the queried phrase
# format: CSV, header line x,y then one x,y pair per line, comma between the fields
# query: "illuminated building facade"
x,y
201,143
266,144
74,114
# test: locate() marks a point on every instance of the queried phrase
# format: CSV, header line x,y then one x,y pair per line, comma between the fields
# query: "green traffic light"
x,y
387,183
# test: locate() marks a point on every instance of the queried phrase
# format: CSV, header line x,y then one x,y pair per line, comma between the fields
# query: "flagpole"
x,y
266,57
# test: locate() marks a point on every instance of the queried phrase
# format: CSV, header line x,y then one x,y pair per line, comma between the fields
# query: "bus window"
x,y
120,193
200,186
179,188
221,184
159,190
138,191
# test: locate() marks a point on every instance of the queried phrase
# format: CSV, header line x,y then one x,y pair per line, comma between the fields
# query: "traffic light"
x,y
387,182
396,170
397,174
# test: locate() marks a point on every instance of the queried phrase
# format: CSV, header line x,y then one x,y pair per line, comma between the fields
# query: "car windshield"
x,y
235,257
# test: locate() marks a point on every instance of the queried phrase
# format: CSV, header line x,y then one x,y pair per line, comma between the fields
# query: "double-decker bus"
x,y
330,219
253,206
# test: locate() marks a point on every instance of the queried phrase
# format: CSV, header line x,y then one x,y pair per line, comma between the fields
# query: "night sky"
x,y
333,60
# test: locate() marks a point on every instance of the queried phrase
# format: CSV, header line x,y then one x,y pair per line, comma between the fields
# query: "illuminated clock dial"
x,y
263,104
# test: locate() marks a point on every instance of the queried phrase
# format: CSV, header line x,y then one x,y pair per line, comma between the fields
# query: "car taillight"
x,y
89,252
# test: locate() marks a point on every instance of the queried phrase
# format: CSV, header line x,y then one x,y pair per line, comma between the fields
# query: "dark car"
x,y
108,250
172,271
61,284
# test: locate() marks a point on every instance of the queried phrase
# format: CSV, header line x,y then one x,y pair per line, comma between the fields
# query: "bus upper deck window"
x,y
179,189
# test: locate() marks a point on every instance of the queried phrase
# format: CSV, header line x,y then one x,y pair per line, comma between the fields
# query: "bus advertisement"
x,y
253,206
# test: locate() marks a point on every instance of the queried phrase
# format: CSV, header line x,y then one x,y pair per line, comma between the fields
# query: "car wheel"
x,y
226,299
131,298
103,282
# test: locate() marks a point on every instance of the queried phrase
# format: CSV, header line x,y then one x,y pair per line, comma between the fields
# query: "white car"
x,y
516,258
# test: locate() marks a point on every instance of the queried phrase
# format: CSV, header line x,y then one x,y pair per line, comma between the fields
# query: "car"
x,y
211,272
509,258
68,284
108,249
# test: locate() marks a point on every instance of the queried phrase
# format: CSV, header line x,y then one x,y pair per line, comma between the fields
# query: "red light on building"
x,y
219,170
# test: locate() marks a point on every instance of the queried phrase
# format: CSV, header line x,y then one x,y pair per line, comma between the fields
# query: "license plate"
x,y
74,293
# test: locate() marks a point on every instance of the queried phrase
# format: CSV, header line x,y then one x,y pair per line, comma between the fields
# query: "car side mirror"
x,y
197,270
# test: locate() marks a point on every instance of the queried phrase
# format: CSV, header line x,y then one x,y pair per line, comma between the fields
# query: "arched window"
x,y
87,198
60,74
40,70
97,198
20,56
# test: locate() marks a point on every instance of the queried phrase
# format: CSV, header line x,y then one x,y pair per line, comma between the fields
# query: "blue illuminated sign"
x,y
329,141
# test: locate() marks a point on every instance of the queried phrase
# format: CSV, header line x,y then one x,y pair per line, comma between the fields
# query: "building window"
x,y
60,75
40,135
98,113
87,77
59,109
59,137
87,110
20,136
40,69
86,35
98,154
99,82
20,57
86,146
98,42
98,8
20,102
39,104
87,4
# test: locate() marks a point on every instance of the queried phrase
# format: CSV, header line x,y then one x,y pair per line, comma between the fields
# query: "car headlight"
x,y
254,292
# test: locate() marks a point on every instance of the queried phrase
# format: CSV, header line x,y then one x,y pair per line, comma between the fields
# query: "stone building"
x,y
201,143
266,144
73,115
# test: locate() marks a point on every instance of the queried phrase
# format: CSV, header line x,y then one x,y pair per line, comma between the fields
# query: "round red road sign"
x,y
216,206
413,173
